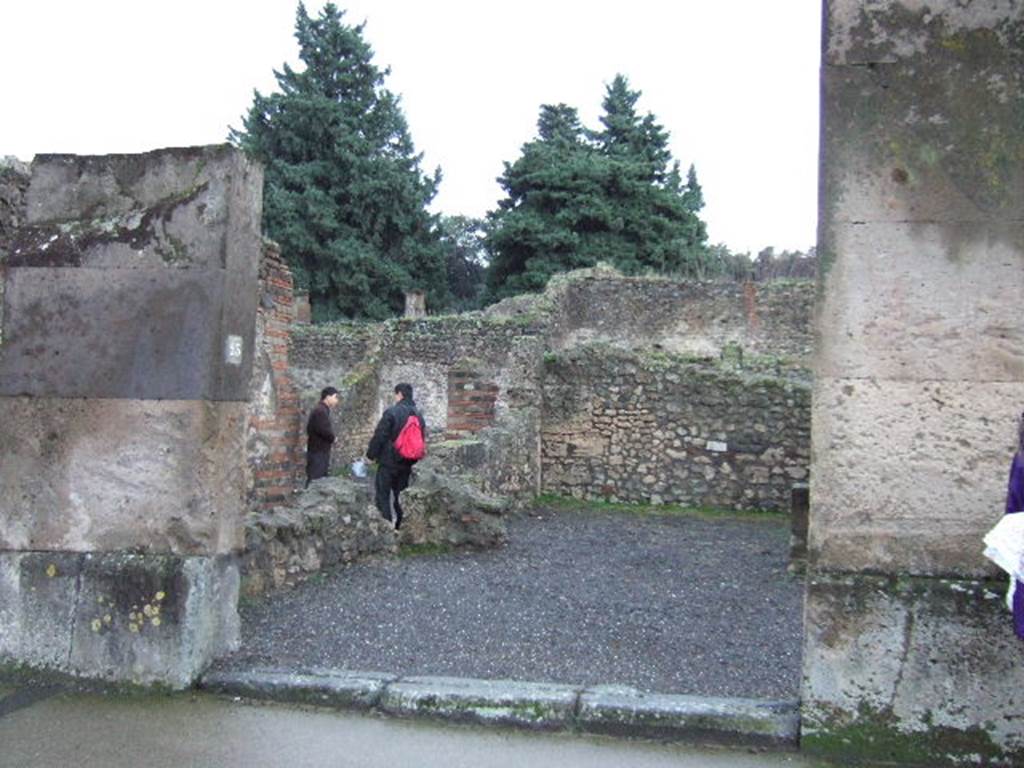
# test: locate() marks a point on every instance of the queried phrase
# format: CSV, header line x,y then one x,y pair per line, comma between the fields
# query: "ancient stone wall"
x,y
274,447
919,378
661,429
128,335
482,376
14,180
690,318
435,355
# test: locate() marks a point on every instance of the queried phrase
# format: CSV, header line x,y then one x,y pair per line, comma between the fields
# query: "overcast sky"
x,y
735,83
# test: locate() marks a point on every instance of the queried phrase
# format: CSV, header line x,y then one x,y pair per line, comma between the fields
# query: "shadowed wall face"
x,y
128,319
919,375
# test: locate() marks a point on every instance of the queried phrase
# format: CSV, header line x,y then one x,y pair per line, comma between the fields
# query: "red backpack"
x,y
409,443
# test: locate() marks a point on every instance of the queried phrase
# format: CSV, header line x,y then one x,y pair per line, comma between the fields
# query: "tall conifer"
x,y
575,197
344,194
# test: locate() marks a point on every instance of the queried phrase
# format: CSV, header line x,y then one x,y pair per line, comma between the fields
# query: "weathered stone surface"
x,y
328,687
921,671
107,475
918,381
334,522
330,523
118,616
14,180
492,702
924,104
441,508
620,710
908,476
133,276
924,301
654,428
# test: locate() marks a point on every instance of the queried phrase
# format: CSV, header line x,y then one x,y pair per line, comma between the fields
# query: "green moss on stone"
x,y
873,736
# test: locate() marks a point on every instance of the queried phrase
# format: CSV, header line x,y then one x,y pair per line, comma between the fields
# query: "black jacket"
x,y
319,429
382,444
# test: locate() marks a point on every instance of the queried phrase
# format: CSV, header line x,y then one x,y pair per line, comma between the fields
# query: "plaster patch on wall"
x,y
429,389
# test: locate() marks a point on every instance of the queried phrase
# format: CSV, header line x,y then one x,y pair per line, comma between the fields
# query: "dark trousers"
x,y
390,482
317,464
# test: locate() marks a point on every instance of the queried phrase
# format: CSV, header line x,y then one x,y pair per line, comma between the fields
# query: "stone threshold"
x,y
604,709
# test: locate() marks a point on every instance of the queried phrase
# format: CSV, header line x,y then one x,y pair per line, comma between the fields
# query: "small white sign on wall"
x,y
233,350
717,446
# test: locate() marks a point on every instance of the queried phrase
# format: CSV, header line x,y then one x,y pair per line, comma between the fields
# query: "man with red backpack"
x,y
397,444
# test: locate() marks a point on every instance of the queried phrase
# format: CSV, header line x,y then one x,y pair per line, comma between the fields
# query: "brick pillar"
x,y
471,402
274,420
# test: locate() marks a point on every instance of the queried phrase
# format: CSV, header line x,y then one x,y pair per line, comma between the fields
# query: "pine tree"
x,y
462,240
555,194
343,193
576,197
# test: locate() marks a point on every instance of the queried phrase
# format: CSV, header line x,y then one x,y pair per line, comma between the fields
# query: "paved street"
x,y
196,730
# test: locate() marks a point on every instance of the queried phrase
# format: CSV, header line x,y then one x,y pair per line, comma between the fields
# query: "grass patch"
x,y
419,550
552,501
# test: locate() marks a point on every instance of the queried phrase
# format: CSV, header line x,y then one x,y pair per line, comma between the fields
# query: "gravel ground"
x,y
665,603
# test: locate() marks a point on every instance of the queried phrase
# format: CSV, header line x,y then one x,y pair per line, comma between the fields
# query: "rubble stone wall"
x,y
659,429
484,375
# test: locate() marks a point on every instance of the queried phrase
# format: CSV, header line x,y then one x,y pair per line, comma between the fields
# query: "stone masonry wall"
x,y
909,653
275,429
689,318
130,286
436,355
481,373
625,427
14,181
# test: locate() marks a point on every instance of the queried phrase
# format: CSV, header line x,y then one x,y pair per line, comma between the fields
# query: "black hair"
x,y
327,392
405,390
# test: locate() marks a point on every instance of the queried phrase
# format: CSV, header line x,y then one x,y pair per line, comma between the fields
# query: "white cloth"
x,y
1004,545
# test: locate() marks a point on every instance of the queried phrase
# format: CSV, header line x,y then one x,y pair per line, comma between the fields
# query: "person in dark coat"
x,y
1015,506
320,436
393,471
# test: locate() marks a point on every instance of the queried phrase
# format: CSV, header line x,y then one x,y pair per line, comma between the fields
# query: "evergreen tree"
x,y
343,193
462,241
555,194
576,197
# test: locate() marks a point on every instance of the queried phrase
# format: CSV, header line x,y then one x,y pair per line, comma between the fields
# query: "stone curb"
x,y
538,706
617,710
611,710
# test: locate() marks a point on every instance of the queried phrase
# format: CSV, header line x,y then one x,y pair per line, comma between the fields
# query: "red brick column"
x,y
470,402
274,425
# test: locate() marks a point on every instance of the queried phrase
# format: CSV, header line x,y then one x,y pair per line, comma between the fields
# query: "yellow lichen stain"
x,y
51,570
148,610
100,599
955,44
107,619
155,621
133,627
97,625
159,596
133,616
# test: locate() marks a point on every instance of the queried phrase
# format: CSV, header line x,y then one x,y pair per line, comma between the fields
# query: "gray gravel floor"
x,y
665,603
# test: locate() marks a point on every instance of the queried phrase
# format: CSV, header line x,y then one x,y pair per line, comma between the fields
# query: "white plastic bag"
x,y
359,468
1004,544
